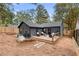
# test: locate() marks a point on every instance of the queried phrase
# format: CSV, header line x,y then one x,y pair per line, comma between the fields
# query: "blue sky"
x,y
25,6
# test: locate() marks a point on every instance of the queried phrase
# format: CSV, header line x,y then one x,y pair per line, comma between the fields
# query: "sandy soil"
x,y
9,47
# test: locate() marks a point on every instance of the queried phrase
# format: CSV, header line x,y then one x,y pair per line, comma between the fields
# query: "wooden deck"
x,y
46,39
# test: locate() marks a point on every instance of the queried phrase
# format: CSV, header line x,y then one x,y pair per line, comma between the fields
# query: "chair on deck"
x,y
38,34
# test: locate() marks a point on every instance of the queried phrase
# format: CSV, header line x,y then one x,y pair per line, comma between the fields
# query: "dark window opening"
x,y
49,32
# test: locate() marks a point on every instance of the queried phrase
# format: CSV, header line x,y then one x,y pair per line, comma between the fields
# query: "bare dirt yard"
x,y
9,47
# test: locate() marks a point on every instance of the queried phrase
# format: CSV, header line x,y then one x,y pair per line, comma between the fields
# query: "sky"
x,y
24,6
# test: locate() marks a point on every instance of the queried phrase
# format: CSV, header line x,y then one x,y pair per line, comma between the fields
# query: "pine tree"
x,y
42,14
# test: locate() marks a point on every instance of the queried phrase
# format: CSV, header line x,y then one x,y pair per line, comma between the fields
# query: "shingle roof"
x,y
51,24
31,24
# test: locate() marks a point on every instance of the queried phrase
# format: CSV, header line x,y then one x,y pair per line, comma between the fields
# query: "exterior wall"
x,y
39,30
24,28
33,31
55,29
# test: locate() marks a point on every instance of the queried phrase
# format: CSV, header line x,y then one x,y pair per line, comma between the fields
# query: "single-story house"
x,y
29,28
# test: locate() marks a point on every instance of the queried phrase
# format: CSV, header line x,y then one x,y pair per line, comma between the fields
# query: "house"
x,y
28,28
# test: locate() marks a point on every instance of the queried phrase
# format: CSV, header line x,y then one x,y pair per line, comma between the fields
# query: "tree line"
x,y
38,15
66,12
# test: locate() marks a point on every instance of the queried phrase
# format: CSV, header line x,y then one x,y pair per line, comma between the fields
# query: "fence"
x,y
9,30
